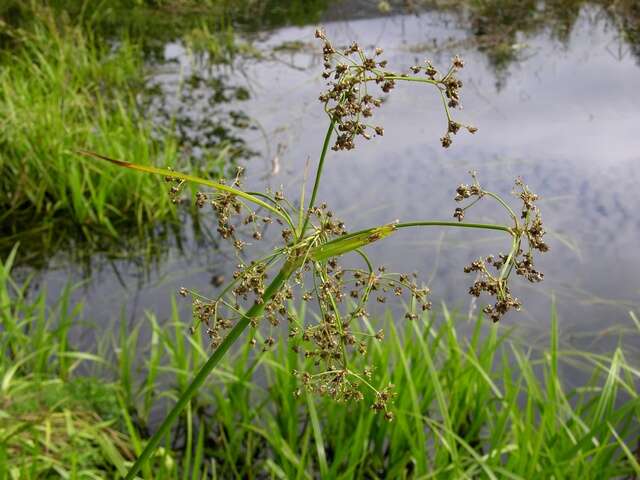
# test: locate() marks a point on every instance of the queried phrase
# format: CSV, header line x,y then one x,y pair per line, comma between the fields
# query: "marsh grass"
x,y
65,85
63,89
471,401
55,422
154,22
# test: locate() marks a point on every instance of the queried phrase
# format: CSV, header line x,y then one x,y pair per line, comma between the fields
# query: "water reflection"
x,y
204,111
563,113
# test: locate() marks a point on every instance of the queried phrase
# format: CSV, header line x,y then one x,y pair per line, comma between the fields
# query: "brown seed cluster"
x,y
347,100
327,226
231,212
494,285
493,272
530,214
341,296
208,314
226,206
349,103
175,189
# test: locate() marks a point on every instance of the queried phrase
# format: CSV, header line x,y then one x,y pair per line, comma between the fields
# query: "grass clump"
x,y
48,431
55,423
63,89
470,401
50,423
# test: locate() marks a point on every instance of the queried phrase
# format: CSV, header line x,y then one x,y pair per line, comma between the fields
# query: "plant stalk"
x,y
394,226
438,223
205,370
316,183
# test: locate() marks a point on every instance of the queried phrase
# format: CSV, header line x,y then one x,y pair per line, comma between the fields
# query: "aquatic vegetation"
x,y
442,424
313,243
467,403
63,77
54,422
501,29
62,90
152,23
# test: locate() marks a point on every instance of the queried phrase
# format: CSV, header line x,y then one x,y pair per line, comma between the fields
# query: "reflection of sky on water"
x,y
567,119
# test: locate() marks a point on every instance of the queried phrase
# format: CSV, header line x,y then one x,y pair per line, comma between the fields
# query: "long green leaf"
x,y
183,176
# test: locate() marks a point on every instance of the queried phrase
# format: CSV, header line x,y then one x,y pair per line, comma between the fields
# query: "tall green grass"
x,y
469,405
51,424
60,90
163,20
55,422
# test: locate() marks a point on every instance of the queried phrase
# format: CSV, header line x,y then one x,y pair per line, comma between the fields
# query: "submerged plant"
x,y
314,240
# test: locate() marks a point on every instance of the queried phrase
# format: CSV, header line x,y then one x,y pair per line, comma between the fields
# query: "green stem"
x,y
316,184
285,214
508,264
406,78
504,204
446,108
255,311
482,226
437,223
366,259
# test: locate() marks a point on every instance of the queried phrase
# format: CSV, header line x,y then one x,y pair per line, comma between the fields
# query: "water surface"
x,y
563,113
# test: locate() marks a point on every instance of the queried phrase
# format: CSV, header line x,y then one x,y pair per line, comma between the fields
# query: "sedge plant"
x,y
306,264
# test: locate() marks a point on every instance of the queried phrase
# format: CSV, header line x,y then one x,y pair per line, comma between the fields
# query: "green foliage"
x,y
474,404
478,408
55,423
50,424
154,22
64,91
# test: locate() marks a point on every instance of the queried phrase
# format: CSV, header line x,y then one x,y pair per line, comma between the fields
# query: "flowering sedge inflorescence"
x,y
350,104
339,296
493,271
310,249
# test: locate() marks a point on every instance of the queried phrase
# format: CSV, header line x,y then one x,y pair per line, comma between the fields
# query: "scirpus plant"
x,y
313,241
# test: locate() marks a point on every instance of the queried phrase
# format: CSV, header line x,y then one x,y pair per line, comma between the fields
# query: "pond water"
x,y
563,113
